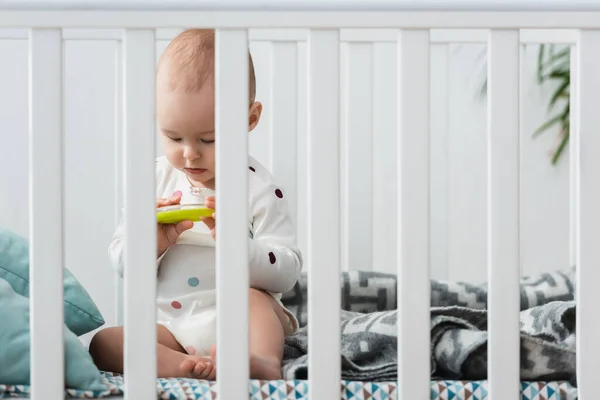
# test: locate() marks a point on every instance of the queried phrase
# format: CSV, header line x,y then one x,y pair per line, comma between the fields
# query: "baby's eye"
x,y
208,141
176,139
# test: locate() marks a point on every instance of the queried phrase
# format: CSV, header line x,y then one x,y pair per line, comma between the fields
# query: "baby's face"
x,y
186,124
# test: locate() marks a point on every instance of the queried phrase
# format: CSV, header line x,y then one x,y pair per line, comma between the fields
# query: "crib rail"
x,y
323,258
307,5
46,210
140,206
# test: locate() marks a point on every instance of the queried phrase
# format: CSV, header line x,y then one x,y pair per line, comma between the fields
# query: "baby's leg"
x,y
107,351
267,320
267,335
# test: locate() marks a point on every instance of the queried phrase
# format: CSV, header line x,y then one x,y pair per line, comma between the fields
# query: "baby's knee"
x,y
106,337
259,299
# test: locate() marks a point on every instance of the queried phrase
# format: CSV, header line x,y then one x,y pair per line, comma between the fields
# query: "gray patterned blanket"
x,y
458,328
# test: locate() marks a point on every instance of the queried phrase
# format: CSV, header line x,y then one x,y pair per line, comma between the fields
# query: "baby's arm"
x,y
166,235
275,261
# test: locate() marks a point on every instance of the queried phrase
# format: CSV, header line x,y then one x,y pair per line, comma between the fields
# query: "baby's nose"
x,y
190,153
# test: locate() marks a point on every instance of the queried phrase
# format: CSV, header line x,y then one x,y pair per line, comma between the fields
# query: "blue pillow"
x,y
80,370
81,313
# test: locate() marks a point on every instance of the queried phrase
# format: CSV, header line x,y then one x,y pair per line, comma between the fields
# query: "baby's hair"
x,y
190,59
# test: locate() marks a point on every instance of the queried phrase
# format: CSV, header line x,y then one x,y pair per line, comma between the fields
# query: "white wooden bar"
x,y
46,208
279,35
140,214
327,5
119,172
588,261
323,258
503,214
547,36
527,36
231,119
302,200
284,120
12,18
358,169
413,216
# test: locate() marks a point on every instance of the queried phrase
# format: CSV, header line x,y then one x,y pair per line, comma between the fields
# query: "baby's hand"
x,y
211,222
167,234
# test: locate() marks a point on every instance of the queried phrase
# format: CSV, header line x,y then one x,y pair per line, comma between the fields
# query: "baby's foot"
x,y
198,368
266,368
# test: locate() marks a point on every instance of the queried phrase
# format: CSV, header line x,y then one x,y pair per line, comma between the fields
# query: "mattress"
x,y
191,389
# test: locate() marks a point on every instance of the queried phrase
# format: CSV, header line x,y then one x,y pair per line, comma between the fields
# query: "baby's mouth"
x,y
196,171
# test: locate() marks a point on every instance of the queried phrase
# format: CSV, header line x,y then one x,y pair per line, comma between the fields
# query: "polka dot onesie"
x,y
186,287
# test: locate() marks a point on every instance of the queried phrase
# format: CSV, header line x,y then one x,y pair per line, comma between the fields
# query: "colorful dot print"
x,y
176,305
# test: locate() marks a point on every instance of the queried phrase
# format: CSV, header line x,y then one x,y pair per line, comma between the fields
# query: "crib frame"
x,y
413,21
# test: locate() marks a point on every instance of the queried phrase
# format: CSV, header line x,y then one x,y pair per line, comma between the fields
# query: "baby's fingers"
x,y
183,226
172,231
210,202
161,202
169,201
209,222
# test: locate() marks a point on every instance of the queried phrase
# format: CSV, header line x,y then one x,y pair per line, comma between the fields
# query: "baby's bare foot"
x,y
266,368
198,368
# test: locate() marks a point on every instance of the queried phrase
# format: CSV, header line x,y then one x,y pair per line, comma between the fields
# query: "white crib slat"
x,y
358,171
588,265
140,210
46,212
413,215
302,200
503,214
323,258
284,119
231,118
118,183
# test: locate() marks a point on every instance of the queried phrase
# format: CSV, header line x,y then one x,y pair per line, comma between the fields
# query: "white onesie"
x,y
186,289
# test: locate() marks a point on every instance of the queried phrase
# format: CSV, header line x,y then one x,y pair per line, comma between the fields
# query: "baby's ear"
x,y
254,114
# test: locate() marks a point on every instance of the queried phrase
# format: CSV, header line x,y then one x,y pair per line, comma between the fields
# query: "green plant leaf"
x,y
541,52
565,53
560,90
549,71
548,124
561,148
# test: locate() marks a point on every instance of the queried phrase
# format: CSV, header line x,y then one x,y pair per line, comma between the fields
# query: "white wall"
x,y
458,162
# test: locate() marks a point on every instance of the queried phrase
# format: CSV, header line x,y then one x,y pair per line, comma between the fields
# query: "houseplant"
x,y
553,68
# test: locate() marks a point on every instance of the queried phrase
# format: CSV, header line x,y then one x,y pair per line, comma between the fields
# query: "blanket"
x,y
458,328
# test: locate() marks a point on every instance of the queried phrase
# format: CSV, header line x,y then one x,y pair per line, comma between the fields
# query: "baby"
x,y
186,288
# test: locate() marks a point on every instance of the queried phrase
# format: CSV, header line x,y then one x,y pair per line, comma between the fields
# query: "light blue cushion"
x,y
15,351
81,313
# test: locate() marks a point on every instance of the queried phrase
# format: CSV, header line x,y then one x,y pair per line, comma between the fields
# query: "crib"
x,y
410,26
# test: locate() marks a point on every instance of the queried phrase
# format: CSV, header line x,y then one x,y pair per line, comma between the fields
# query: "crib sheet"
x,y
191,389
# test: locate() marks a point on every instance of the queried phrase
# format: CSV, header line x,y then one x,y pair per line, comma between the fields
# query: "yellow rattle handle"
x,y
173,216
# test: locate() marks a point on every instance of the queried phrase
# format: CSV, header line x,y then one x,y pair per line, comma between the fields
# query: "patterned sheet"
x,y
191,389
